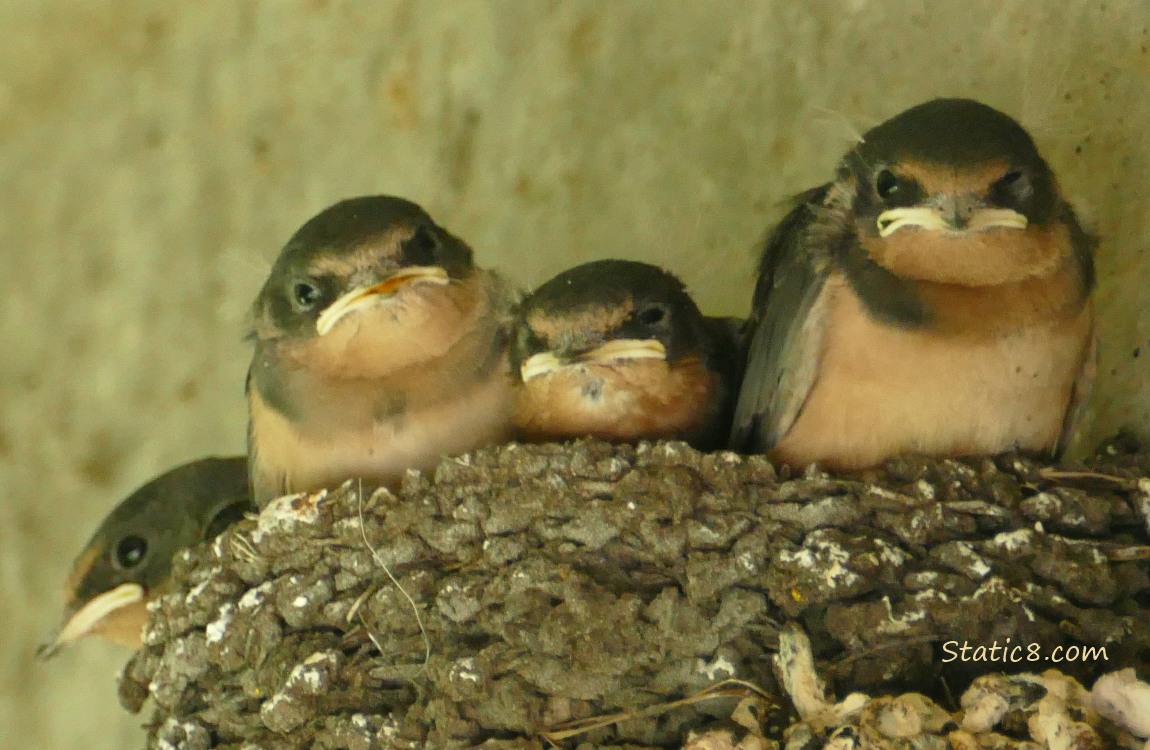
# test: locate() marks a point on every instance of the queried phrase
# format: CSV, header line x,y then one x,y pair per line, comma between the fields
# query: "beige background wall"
x,y
154,156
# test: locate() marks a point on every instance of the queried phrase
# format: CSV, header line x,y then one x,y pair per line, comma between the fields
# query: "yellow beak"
x,y
981,219
366,296
89,616
612,351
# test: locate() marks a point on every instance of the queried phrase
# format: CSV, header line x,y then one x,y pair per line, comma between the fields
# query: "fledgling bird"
x,y
127,561
618,350
379,347
934,298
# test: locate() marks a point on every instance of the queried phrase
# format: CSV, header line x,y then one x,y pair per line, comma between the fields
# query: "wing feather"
x,y
786,330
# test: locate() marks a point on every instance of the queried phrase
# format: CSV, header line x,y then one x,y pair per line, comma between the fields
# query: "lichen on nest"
x,y
522,587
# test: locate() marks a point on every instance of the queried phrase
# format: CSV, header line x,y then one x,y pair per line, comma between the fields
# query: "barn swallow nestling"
x,y
618,350
379,347
934,298
127,561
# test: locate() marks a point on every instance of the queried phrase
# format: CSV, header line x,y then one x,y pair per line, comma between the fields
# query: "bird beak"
x,y
81,622
951,217
626,349
365,296
612,351
539,364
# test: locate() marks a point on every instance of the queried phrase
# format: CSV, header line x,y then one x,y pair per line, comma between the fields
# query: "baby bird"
x,y
127,561
618,350
379,347
934,298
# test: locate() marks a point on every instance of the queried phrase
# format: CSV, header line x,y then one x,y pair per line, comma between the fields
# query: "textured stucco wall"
x,y
154,156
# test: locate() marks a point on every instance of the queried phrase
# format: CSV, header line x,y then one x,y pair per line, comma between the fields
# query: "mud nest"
x,y
523,587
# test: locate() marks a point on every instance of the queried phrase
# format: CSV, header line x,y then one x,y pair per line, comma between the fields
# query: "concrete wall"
x,y
154,157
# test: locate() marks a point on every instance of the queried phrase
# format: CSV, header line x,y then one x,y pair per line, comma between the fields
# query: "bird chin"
x,y
419,325
985,256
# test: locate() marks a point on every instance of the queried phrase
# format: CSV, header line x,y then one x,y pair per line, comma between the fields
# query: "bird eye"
x,y
420,249
885,183
1015,184
653,315
305,294
130,552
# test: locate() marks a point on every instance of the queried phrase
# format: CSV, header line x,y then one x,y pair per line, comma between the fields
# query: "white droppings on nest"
x,y
960,468
616,465
465,670
1144,501
1038,527
360,721
672,449
718,669
976,565
900,623
631,505
882,492
284,513
991,586
892,556
1013,541
219,626
1074,519
729,457
390,727
1046,503
796,667
1125,700
928,594
271,703
202,586
984,704
747,562
255,596
309,673
300,602
827,556
925,488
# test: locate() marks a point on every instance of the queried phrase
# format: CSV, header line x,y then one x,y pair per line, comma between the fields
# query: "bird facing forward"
x,y
618,350
934,298
379,347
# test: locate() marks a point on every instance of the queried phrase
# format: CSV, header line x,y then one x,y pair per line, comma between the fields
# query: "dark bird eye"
x,y
1015,184
652,315
885,183
305,294
131,551
420,249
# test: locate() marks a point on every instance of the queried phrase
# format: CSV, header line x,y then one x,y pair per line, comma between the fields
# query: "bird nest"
x,y
618,596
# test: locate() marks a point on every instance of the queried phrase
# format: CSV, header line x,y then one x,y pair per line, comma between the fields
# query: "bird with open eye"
x,y
935,298
617,350
379,347
127,561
